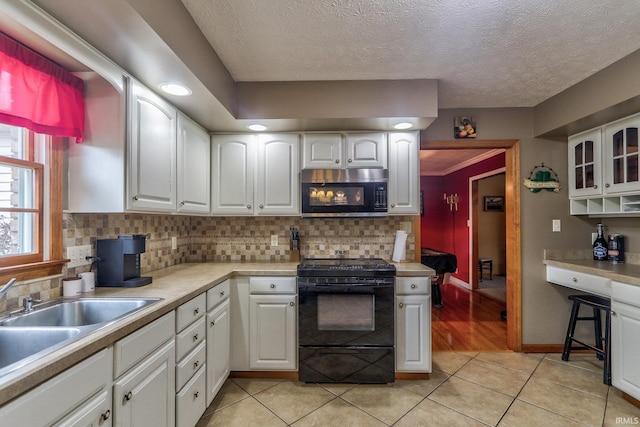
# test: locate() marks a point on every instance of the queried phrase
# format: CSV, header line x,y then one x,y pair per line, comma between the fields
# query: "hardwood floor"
x,y
468,321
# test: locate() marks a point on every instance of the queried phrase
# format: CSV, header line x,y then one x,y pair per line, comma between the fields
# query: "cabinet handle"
x,y
393,206
195,364
128,397
248,206
195,337
350,161
135,198
574,279
337,160
606,186
291,303
213,323
106,415
413,286
222,293
196,311
401,305
195,395
613,313
272,286
261,206
595,186
182,203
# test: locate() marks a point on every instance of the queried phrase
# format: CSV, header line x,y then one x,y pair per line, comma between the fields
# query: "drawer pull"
x,y
613,313
413,286
106,415
213,323
196,364
291,303
128,397
196,311
272,286
195,337
401,305
222,293
575,279
196,394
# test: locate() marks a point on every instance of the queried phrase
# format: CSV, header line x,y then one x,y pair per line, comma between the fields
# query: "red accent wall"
x,y
446,230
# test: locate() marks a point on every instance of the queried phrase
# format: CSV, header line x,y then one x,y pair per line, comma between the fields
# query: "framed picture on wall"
x,y
494,203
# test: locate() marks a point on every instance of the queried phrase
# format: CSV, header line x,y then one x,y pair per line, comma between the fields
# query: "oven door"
x,y
346,314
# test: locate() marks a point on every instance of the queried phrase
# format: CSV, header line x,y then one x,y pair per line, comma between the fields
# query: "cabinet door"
x,y
218,348
625,347
146,395
194,167
152,152
272,332
621,156
94,413
367,150
585,164
413,333
322,151
278,182
232,181
404,173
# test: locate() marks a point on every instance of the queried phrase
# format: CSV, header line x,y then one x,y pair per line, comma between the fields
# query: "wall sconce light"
x,y
452,201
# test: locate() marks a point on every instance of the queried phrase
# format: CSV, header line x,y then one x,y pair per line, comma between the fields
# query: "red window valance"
x,y
38,94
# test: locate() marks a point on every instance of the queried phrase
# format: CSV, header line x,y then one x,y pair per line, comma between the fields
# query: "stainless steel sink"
x,y
26,344
26,337
78,312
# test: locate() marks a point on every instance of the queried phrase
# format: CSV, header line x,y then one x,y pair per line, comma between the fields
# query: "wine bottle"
x,y
600,246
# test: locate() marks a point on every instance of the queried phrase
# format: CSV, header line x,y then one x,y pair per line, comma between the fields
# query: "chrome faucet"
x,y
6,286
27,304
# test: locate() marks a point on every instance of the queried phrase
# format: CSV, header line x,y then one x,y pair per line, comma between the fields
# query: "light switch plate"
x,y
78,255
274,240
556,225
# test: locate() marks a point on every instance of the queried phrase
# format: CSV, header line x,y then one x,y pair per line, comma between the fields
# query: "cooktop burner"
x,y
374,267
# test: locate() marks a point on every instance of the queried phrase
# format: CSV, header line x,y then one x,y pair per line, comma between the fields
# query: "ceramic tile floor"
x,y
465,389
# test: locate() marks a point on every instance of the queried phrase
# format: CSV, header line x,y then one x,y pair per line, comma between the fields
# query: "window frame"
x,y
32,266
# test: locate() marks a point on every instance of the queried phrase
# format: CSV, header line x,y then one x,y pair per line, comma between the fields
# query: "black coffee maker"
x,y
119,261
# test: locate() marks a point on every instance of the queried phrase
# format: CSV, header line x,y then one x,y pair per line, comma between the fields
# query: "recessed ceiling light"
x,y
175,89
257,128
403,125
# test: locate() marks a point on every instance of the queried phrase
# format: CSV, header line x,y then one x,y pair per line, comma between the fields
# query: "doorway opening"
x,y
512,255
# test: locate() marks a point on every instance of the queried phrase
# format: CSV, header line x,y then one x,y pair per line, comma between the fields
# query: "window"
x,y
30,213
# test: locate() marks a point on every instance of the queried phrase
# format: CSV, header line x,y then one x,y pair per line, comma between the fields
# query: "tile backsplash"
x,y
219,239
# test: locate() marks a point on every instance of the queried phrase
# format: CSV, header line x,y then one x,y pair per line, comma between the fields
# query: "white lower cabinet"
x,y
625,338
144,364
218,346
81,393
413,324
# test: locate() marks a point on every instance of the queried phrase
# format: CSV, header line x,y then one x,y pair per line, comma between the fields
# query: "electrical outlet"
x,y
556,225
274,240
78,255
174,243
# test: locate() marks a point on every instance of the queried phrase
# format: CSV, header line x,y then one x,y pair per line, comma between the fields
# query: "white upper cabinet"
x,y
404,173
585,164
339,150
194,167
233,165
621,156
278,179
272,190
322,151
151,152
367,150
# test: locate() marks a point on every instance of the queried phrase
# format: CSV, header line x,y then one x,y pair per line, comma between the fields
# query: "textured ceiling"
x,y
491,53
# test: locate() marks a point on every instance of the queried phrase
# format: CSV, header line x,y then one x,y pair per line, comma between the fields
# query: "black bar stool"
x,y
603,343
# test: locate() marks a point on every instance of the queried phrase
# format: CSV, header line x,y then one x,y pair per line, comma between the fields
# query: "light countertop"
x,y
627,272
176,285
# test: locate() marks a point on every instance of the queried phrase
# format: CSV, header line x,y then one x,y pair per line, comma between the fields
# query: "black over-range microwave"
x,y
344,192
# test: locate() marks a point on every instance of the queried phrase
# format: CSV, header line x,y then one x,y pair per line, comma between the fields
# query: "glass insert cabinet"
x,y
604,176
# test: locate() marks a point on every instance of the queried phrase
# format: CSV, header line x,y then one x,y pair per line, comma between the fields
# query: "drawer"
x,y
191,401
190,311
189,339
190,365
136,346
272,285
579,281
413,285
626,293
218,294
